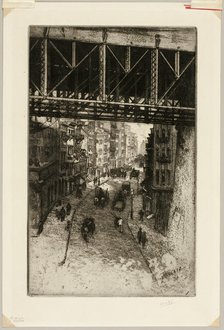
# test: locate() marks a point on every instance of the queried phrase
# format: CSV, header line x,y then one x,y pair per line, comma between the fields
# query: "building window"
x,y
168,177
163,152
168,152
168,132
163,133
157,176
157,152
163,177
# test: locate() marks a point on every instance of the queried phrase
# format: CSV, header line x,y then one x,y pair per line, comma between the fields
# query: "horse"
x,y
120,196
102,202
88,228
96,201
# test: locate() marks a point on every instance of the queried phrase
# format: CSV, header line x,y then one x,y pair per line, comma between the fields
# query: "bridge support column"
x,y
44,66
127,59
74,54
74,62
177,63
154,75
155,70
102,72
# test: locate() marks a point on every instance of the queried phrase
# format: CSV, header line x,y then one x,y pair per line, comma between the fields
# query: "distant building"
x,y
102,151
131,145
117,144
113,144
89,143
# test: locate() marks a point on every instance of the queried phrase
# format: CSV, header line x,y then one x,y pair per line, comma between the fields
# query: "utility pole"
x,y
132,200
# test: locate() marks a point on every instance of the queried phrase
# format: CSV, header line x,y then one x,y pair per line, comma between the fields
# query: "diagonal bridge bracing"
x,y
106,81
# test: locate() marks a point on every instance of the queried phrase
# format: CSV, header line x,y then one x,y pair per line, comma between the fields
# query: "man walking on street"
x,y
120,224
68,208
141,214
144,239
139,235
62,213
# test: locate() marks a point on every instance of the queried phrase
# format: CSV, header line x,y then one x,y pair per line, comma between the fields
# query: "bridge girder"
x,y
107,83
171,38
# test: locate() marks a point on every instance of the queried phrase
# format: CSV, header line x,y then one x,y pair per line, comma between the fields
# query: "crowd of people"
x,y
62,210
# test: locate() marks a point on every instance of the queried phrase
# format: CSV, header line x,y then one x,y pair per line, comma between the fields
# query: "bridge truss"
x,y
133,75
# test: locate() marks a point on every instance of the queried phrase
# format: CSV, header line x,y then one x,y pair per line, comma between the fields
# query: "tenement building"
x,y
43,168
160,167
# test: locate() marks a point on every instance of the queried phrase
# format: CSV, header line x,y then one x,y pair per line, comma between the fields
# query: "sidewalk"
x,y
172,275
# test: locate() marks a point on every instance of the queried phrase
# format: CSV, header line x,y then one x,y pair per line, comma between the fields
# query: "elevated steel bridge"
x,y
125,74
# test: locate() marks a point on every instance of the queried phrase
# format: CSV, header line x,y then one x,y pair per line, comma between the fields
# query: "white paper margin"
x,y
22,310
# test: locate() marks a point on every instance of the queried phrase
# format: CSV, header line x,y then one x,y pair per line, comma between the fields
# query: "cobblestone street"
x,y
110,265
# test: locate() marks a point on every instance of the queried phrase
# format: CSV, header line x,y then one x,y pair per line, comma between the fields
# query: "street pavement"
x,y
111,264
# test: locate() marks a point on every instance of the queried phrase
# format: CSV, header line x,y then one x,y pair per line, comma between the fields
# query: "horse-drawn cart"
x,y
101,197
88,228
119,200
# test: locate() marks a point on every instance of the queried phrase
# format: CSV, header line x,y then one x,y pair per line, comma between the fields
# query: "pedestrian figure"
x,y
144,239
57,212
85,234
98,181
101,192
120,224
141,214
62,213
68,208
79,192
116,221
107,195
139,235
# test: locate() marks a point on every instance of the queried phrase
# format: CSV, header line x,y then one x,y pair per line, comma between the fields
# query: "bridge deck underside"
x,y
78,109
